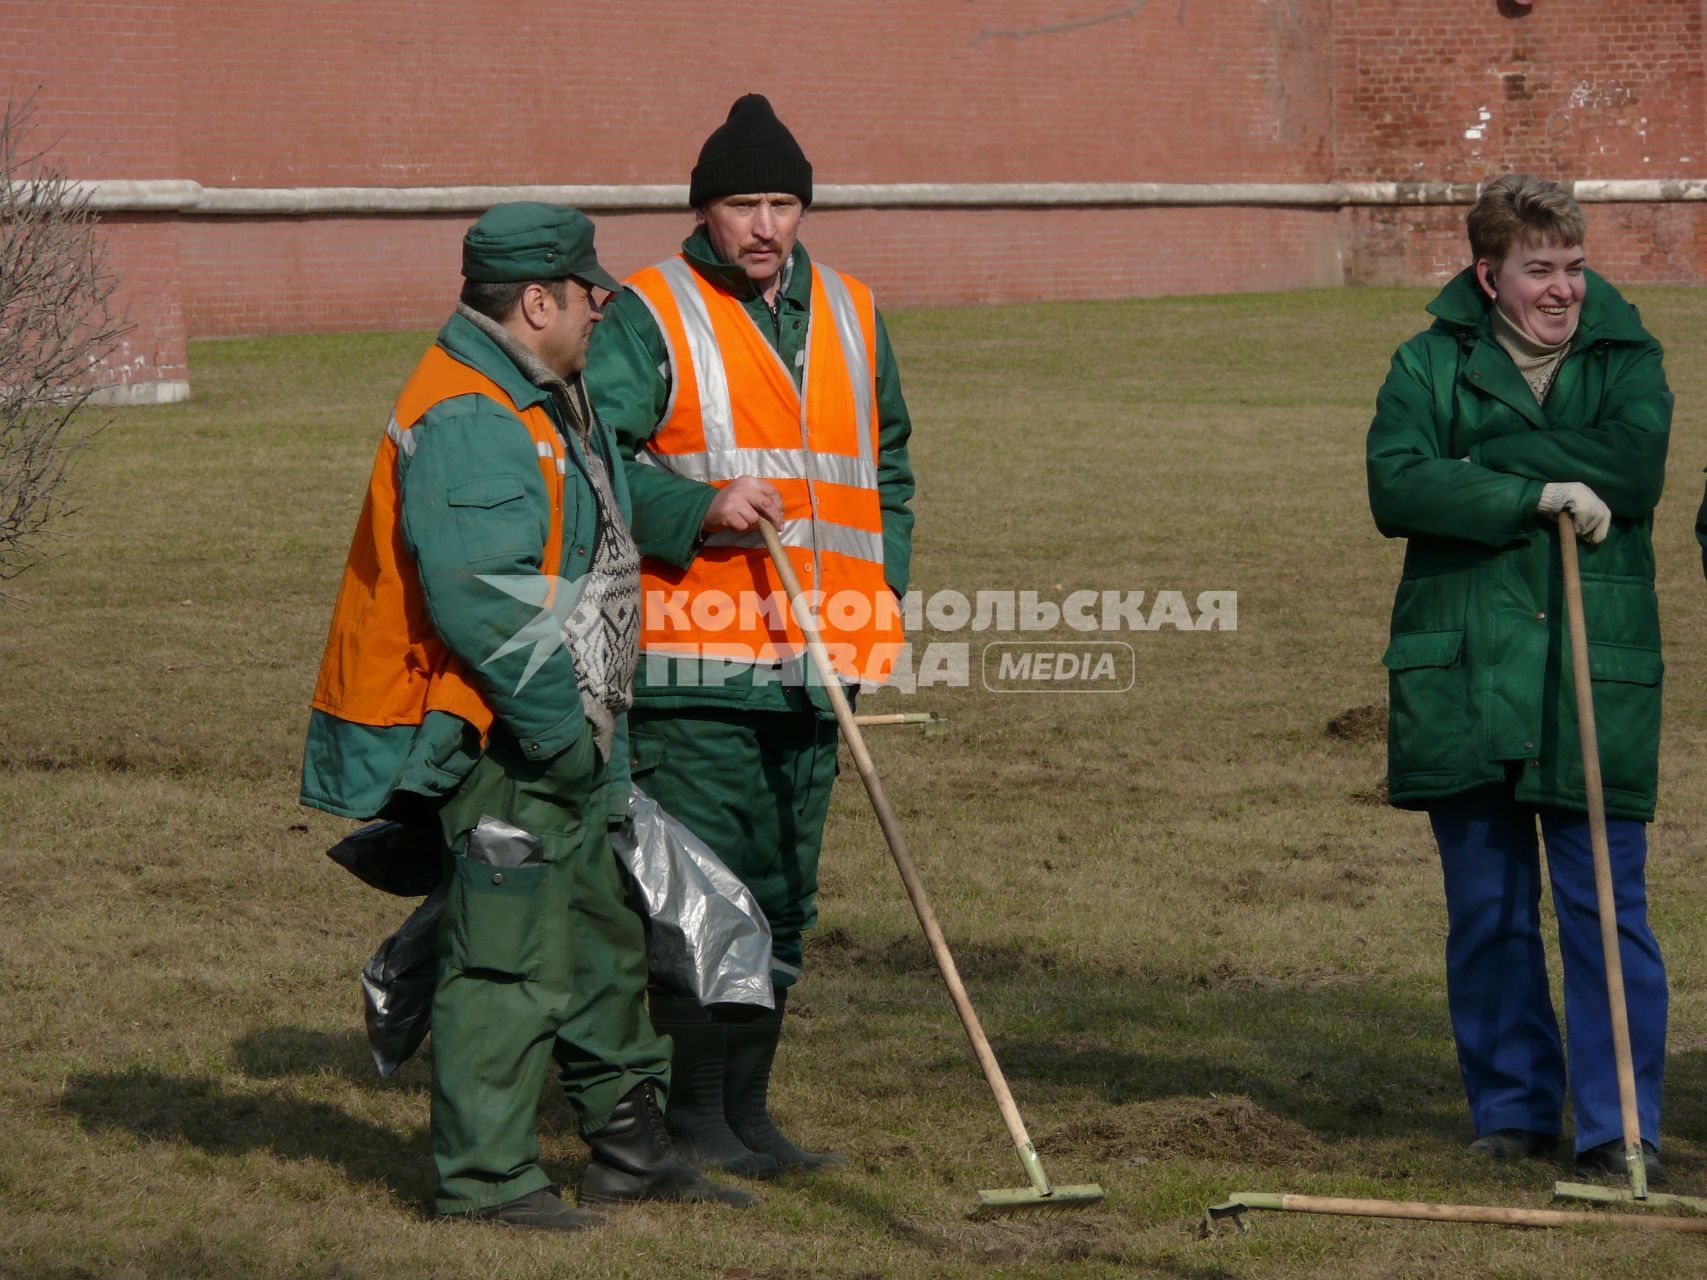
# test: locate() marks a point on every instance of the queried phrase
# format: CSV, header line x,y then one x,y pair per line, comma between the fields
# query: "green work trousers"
x,y
755,786
539,962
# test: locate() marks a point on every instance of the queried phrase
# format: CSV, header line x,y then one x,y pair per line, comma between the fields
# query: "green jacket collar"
x,y
700,252
467,343
1606,317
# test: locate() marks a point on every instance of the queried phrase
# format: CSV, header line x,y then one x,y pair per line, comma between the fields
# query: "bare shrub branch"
x,y
57,325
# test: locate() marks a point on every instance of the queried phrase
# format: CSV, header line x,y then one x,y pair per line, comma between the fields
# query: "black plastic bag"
x,y
398,985
400,858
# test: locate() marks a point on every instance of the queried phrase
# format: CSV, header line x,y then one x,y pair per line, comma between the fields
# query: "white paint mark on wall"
x,y
1479,130
1589,94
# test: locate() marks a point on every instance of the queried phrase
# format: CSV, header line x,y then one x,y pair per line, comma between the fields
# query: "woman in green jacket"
x,y
1535,391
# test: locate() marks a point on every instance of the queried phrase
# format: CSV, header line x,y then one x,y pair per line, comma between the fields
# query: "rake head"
x,y
993,1204
1588,1193
1042,1196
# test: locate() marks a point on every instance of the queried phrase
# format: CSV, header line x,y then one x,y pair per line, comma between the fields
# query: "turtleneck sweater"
x,y
1536,361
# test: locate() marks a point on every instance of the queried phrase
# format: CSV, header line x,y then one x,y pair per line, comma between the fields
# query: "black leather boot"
x,y
752,1037
694,1117
541,1210
633,1160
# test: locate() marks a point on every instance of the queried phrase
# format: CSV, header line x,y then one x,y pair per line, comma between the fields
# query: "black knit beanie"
x,y
749,152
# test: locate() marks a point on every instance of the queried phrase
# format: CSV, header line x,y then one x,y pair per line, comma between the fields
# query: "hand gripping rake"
x,y
1041,1194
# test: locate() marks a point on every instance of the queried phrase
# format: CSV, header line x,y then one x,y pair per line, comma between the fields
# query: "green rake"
x,y
1042,1194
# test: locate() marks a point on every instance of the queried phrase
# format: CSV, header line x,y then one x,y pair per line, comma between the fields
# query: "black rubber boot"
x,y
694,1117
752,1037
1607,1160
541,1210
1513,1144
633,1160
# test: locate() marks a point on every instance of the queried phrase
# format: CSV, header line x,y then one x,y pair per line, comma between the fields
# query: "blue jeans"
x,y
1509,1050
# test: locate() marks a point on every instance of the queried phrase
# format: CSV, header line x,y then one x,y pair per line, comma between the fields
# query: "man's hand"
x,y
739,504
1589,514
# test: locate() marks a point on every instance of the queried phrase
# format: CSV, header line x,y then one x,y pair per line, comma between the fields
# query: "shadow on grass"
x,y
1202,1066
274,1053
1033,1239
222,1122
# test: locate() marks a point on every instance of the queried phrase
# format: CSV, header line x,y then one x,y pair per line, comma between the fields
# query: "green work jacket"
x,y
1479,680
628,377
355,769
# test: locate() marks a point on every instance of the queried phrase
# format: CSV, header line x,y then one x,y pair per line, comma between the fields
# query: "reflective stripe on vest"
x,y
734,410
384,664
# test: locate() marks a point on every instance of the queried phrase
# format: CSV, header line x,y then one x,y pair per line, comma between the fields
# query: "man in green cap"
x,y
476,682
746,381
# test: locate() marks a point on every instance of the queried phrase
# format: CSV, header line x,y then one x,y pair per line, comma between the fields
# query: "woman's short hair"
x,y
1522,207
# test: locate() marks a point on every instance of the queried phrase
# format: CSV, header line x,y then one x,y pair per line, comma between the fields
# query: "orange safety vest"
x,y
735,411
384,664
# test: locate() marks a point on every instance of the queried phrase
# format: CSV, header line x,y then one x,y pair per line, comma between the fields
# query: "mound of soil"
x,y
1360,724
1219,1127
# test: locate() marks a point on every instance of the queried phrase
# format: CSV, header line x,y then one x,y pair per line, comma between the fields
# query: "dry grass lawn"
x,y
1208,954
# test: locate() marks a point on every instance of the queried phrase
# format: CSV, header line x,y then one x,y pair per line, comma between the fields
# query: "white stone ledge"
x,y
165,391
111,195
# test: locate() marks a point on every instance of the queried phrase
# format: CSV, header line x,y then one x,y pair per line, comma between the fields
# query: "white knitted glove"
x,y
1589,514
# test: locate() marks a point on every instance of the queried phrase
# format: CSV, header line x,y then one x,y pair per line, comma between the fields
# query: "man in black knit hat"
x,y
743,380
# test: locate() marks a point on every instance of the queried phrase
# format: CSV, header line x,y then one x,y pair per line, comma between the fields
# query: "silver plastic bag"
x,y
705,935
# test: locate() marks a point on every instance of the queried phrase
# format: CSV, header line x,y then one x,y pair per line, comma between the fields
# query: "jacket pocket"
x,y
645,753
494,518
1426,691
552,796
494,918
1624,664
1626,683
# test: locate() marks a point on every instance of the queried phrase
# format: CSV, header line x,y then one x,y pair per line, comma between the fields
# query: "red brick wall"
x,y
291,275
1568,89
145,252
1628,243
106,104
420,92
429,92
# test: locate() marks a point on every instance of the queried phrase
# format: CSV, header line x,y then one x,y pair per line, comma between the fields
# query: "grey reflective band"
x,y
784,968
717,417
766,464
791,533
854,353
664,370
546,451
846,540
842,539
404,440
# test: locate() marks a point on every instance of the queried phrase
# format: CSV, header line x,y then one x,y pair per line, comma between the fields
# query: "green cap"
x,y
529,241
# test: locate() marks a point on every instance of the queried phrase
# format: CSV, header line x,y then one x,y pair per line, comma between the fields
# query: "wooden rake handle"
x,y
903,860
1606,902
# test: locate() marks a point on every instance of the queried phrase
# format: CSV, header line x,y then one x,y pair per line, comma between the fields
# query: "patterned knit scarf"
x,y
602,631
